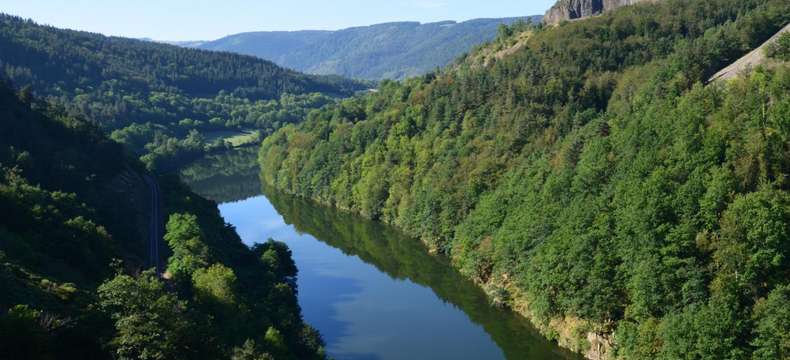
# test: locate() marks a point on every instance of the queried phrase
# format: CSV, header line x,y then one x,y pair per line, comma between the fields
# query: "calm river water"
x,y
373,293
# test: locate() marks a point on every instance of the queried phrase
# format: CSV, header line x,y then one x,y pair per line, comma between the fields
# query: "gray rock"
x,y
578,9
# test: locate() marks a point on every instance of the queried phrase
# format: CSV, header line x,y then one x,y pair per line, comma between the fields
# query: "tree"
x,y
250,351
276,342
277,257
755,239
772,316
185,238
780,49
151,323
217,282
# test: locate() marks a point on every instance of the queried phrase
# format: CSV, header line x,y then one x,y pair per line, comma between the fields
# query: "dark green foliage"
x,y
772,332
72,206
24,335
277,258
151,322
55,176
87,61
154,95
238,288
384,51
590,168
250,351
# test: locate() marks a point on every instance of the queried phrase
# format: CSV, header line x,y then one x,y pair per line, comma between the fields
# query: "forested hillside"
x,y
383,51
585,175
73,210
158,95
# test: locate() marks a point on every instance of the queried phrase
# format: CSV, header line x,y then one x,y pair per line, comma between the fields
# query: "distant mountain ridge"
x,y
394,50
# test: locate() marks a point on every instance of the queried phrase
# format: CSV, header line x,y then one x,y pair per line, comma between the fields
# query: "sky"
x,y
180,20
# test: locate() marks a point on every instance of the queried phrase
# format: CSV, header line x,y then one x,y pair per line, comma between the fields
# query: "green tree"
x,y
275,341
216,283
151,323
185,238
277,258
780,49
755,239
772,315
250,351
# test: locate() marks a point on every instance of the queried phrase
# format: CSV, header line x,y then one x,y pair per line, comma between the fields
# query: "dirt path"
x,y
749,61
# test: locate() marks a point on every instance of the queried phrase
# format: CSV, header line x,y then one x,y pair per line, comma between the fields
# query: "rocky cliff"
x,y
577,9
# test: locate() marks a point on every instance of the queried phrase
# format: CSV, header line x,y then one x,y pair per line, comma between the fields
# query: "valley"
x,y
608,181
394,51
371,291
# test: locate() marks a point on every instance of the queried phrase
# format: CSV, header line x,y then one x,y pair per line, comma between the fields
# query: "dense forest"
x,y
586,175
73,263
158,93
383,51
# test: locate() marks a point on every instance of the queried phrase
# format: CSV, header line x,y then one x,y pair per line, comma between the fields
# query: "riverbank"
x,y
363,260
572,334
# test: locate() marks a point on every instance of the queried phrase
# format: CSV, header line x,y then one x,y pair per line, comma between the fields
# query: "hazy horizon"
x,y
201,20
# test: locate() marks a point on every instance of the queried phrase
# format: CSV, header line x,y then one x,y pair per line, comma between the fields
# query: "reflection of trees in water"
x,y
404,258
234,176
225,177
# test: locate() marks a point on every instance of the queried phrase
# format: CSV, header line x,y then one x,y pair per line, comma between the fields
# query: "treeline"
x,y
406,259
168,147
119,83
587,174
72,258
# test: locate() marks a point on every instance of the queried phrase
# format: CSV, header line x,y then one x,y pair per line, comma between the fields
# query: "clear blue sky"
x,y
208,20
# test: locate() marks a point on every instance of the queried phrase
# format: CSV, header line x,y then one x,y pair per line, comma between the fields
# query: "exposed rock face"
x,y
577,9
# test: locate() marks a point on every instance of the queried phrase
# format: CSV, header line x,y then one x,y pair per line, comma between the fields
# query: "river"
x,y
373,293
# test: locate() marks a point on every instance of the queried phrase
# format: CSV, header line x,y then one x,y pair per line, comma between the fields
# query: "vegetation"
x,y
153,95
401,257
780,49
228,176
588,173
72,266
377,52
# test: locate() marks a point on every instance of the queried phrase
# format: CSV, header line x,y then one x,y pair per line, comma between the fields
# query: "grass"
x,y
234,138
244,138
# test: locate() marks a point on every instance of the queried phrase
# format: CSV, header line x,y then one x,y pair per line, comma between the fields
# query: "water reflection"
x,y
404,258
372,292
225,177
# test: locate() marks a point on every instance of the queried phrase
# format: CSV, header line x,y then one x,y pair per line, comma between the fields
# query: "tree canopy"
x,y
72,263
586,170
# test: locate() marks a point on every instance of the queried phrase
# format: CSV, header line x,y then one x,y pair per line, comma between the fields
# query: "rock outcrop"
x,y
578,9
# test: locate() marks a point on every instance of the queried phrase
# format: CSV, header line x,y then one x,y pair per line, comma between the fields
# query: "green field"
x,y
234,138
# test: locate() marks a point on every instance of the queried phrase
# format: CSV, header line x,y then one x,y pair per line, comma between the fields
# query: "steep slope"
x,y
54,61
158,93
578,9
72,258
382,51
586,178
